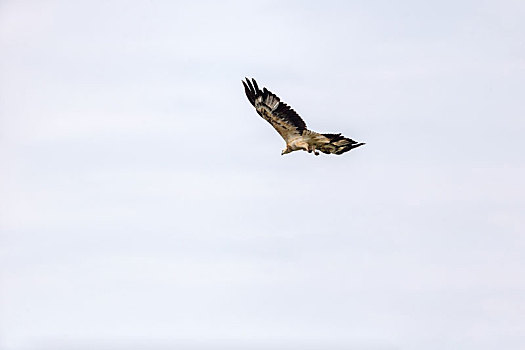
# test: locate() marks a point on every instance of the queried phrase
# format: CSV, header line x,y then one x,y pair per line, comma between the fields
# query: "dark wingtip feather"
x,y
250,85
255,85
249,93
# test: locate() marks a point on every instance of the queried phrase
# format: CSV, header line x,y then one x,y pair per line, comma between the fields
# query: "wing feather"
x,y
282,117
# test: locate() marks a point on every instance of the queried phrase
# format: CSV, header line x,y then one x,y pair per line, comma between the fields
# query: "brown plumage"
x,y
290,125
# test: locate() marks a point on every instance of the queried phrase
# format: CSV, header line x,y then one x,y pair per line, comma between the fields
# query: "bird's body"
x,y
291,127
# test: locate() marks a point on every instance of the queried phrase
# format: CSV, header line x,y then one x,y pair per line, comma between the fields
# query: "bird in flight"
x,y
291,127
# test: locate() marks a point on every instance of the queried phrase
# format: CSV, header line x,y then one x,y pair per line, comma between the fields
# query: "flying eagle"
x,y
291,127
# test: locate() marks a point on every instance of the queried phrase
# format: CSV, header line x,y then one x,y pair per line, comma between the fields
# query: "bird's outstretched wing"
x,y
283,118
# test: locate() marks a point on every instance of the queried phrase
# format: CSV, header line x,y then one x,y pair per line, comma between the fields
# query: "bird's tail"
x,y
339,144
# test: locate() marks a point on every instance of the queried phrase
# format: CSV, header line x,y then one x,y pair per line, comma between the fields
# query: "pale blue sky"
x,y
145,205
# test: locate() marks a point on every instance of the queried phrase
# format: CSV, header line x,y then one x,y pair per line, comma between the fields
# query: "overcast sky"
x,y
145,205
